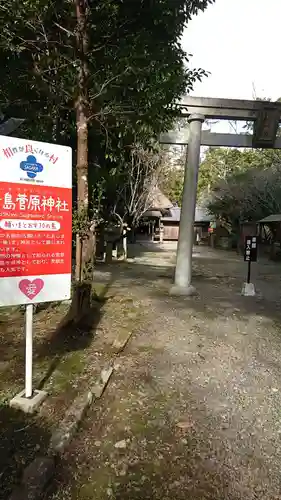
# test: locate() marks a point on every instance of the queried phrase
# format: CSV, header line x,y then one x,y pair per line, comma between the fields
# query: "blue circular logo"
x,y
31,166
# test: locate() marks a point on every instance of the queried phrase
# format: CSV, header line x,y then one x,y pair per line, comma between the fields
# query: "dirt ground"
x,y
193,410
63,361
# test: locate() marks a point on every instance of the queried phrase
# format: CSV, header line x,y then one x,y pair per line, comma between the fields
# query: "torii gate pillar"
x,y
183,273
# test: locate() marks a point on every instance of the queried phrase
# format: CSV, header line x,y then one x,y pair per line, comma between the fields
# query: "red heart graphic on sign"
x,y
31,288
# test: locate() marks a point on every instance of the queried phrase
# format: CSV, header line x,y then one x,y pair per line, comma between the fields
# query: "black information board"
x,y
250,250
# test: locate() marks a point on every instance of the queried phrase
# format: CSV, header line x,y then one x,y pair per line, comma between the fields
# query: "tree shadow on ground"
x,y
44,306
143,247
160,460
157,461
219,301
22,437
176,463
73,336
218,297
141,273
162,481
10,322
219,291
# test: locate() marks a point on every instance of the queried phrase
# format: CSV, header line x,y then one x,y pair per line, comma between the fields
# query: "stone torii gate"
x,y
266,117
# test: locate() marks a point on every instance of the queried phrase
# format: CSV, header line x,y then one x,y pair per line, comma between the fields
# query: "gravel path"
x,y
193,411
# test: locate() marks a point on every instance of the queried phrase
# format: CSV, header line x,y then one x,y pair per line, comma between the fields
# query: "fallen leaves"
x,y
184,425
121,444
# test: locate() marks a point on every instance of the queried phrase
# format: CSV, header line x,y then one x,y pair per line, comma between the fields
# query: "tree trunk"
x,y
100,243
125,243
84,242
82,106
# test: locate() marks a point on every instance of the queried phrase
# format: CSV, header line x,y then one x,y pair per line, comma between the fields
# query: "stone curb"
x,y
64,433
101,384
74,415
120,342
35,478
39,473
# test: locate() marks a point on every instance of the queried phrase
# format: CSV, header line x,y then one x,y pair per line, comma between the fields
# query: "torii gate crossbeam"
x,y
213,139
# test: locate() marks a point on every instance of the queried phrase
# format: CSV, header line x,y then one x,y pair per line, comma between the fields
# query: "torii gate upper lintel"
x,y
266,116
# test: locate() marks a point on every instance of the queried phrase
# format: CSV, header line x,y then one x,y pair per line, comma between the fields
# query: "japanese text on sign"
x,y
33,202
250,252
9,152
34,219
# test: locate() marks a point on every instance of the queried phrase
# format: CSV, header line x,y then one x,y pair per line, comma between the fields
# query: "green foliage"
x,y
128,70
81,223
220,163
82,220
137,73
246,188
172,184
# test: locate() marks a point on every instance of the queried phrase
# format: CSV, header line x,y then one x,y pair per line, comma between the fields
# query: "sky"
x,y
237,41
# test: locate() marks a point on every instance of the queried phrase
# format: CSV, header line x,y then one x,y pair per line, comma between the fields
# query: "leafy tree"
x,y
127,69
135,195
220,163
75,67
172,183
250,193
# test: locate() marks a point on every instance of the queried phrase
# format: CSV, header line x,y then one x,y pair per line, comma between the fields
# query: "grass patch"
x,y
67,371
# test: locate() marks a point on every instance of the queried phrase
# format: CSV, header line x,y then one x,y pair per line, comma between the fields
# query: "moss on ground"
x,y
67,371
63,365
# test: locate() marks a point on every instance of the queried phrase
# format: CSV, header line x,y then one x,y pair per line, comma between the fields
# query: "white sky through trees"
x,y
237,41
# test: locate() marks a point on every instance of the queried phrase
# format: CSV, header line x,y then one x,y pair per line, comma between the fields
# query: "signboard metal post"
x,y
28,350
35,235
249,272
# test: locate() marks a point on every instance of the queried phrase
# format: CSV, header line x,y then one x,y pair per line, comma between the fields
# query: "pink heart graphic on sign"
x,y
31,288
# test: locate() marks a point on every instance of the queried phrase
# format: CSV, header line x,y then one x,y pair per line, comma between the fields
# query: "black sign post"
x,y
250,253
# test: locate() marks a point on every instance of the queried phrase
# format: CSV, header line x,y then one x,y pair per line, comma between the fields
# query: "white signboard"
x,y
35,221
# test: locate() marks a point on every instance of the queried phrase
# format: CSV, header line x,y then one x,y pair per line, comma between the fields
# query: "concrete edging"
x,y
38,474
120,342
